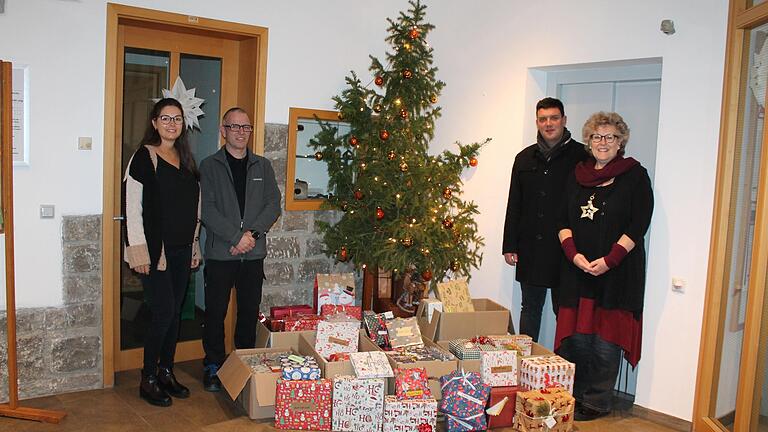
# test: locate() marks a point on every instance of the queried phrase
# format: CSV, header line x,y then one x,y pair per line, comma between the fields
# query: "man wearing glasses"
x,y
240,202
535,195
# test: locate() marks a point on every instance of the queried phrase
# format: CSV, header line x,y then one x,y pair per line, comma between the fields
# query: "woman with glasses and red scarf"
x,y
604,219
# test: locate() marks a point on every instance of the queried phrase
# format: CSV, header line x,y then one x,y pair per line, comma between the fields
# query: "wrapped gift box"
x,y
412,384
464,397
408,415
521,343
371,364
419,353
301,322
404,332
454,294
501,407
499,368
467,349
549,410
336,337
280,312
303,405
376,326
355,312
547,371
335,289
296,367
358,404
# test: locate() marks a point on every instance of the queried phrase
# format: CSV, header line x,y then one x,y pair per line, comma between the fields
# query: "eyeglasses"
x,y
609,138
238,127
166,119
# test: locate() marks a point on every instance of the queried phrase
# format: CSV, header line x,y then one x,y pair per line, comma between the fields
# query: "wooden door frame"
x,y
251,96
741,20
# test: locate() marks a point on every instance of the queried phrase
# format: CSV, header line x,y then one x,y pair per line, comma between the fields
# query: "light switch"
x,y
84,143
47,211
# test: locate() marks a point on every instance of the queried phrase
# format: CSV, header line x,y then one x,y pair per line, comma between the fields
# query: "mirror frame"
x,y
294,115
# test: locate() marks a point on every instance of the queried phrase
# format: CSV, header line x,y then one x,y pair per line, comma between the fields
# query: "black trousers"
x,y
534,297
246,277
165,294
597,367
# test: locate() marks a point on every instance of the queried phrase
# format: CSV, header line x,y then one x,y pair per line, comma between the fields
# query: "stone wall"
x,y
59,348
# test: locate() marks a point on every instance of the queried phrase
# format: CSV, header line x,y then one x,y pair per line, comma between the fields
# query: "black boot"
x,y
150,391
167,381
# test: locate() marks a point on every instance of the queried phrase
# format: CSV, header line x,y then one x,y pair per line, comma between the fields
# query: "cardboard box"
x,y
489,318
435,368
269,339
476,365
255,392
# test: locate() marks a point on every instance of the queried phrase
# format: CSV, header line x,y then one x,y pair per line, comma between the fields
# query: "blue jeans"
x,y
534,297
597,366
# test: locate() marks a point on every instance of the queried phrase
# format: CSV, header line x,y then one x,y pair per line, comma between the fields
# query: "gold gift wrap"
x,y
545,410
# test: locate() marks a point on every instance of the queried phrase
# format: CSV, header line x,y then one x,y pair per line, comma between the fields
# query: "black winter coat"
x,y
536,192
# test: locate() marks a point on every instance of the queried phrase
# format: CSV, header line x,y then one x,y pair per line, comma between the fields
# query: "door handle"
x,y
118,218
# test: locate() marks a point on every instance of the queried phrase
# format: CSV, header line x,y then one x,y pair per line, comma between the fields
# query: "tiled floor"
x,y
120,409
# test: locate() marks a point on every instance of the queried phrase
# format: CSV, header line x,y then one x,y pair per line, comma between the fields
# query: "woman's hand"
x,y
142,269
598,267
581,262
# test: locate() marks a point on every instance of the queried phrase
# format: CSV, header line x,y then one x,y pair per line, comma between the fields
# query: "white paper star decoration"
x,y
189,102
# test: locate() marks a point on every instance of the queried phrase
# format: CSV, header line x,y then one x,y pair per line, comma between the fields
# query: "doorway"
x,y
147,51
631,88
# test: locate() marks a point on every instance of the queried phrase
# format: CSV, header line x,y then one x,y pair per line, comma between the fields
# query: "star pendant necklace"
x,y
589,210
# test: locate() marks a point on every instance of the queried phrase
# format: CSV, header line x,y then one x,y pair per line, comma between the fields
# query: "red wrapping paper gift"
x,y
504,419
355,312
280,312
301,322
303,405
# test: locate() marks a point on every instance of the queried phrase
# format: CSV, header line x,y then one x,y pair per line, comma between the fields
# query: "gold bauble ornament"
x,y
377,108
319,156
455,266
407,73
433,98
403,166
447,193
406,241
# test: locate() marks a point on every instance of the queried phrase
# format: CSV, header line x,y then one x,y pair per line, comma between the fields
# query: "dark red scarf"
x,y
588,176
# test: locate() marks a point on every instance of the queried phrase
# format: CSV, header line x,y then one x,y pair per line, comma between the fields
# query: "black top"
x,y
624,207
535,196
239,168
179,192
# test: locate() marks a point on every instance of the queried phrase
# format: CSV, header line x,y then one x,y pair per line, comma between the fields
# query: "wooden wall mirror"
x,y
306,178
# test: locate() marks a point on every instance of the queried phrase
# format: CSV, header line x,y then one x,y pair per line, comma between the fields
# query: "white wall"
x,y
484,51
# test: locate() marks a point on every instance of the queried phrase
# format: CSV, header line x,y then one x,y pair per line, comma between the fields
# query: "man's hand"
x,y
245,245
510,258
142,269
195,263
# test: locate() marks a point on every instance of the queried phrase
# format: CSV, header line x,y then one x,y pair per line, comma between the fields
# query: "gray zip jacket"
x,y
221,212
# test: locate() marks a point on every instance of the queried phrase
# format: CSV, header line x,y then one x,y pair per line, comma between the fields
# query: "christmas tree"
x,y
402,207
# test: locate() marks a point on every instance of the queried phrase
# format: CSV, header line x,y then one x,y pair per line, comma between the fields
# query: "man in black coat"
x,y
535,196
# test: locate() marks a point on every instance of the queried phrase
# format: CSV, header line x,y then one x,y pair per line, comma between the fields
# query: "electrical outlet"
x,y
47,211
84,143
678,284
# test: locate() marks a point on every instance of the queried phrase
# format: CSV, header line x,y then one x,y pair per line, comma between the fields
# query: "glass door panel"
x,y
145,74
742,220
204,75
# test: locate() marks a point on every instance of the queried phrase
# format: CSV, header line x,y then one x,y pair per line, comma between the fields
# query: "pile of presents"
x,y
335,367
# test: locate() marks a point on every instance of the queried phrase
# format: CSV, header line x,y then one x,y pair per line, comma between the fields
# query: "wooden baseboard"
x,y
661,419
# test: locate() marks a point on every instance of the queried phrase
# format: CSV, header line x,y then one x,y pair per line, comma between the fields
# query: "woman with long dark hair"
x,y
162,210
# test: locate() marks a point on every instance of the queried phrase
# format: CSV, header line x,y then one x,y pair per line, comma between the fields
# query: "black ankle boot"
x,y
167,381
150,391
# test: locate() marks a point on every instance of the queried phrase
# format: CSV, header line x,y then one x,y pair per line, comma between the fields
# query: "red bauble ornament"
x,y
353,141
379,81
379,213
426,275
403,113
414,34
473,161
391,155
343,254
358,194
447,193
344,206
384,134
447,223
407,73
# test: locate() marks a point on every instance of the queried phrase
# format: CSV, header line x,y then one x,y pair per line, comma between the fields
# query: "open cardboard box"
x,y
330,369
255,392
488,318
435,368
267,338
476,365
